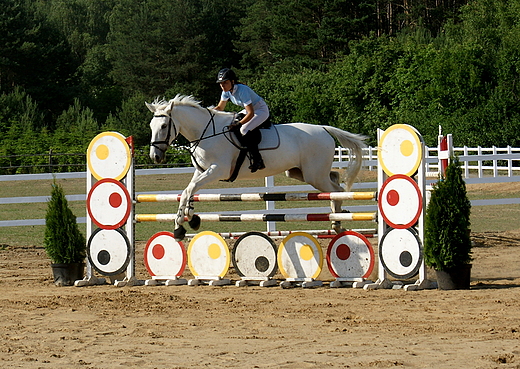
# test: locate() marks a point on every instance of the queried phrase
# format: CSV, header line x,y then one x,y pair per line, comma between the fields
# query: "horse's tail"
x,y
355,143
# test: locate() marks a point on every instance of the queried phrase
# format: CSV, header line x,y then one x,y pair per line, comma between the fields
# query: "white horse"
x,y
304,151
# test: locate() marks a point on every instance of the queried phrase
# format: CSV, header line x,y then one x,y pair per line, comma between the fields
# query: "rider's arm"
x,y
250,112
221,105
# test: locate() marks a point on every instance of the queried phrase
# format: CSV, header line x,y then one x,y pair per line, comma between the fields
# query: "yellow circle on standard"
x,y
109,156
306,252
214,251
406,148
295,261
102,152
208,255
400,150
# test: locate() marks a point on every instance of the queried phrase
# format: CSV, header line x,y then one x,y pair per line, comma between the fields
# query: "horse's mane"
x,y
185,100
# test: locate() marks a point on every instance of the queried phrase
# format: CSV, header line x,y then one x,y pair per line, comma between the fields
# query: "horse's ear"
x,y
169,107
150,107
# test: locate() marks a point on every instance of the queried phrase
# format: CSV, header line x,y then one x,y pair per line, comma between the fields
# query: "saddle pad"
x,y
270,139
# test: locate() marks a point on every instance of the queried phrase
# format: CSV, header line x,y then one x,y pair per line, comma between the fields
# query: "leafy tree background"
x,y
70,69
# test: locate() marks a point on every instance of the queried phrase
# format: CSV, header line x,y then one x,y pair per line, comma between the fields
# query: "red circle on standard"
x,y
99,199
392,198
158,251
115,200
343,252
410,215
334,250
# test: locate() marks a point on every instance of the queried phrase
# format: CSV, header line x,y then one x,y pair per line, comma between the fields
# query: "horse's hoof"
x,y
179,233
336,226
195,222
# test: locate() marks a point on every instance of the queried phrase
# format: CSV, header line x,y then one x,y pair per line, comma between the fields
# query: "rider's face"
x,y
226,85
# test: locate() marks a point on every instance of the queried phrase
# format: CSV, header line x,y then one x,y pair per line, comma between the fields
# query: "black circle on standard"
x,y
244,267
417,263
103,257
93,258
262,263
405,258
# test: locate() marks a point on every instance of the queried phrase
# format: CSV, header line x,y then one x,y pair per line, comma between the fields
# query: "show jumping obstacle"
x,y
350,258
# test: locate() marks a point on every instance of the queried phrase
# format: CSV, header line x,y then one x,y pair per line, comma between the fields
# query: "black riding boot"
x,y
251,140
258,162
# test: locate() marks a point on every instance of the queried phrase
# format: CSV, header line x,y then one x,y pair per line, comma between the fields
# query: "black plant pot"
x,y
456,278
67,274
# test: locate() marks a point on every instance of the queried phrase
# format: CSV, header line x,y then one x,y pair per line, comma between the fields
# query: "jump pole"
x,y
318,233
263,217
332,196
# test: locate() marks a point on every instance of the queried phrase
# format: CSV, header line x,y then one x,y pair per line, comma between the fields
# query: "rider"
x,y
254,114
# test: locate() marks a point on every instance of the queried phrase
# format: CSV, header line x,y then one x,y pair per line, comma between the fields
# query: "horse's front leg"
x,y
185,211
186,208
180,232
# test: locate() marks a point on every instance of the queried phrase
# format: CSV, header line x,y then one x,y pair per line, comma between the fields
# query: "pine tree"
x,y
446,231
64,243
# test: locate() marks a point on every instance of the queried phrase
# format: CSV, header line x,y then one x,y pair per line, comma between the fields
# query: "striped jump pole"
x,y
332,217
318,233
261,197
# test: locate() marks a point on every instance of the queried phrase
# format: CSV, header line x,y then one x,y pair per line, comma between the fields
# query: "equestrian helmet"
x,y
226,74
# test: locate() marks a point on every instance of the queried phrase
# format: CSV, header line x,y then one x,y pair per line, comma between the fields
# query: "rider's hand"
x,y
235,125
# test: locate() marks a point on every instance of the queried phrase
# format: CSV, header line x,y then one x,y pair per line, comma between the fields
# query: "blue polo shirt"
x,y
241,95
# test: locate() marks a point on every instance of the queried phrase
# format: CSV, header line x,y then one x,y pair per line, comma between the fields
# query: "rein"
x,y
195,143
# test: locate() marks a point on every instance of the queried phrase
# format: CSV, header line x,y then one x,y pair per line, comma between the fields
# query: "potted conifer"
x,y
447,244
64,243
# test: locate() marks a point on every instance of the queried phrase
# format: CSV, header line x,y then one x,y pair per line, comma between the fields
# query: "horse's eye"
x,y
164,126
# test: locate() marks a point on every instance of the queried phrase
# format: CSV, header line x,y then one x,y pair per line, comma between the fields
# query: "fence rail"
x,y
476,161
53,162
500,161
480,165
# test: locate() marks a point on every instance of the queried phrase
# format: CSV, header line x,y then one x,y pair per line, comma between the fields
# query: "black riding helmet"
x,y
226,74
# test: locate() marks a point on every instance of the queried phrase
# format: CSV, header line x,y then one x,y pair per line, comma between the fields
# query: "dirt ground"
x,y
44,326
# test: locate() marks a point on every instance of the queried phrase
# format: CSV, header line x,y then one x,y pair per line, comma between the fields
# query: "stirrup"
x,y
257,165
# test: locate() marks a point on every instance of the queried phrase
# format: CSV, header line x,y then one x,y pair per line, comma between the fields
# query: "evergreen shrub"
x,y
63,241
447,241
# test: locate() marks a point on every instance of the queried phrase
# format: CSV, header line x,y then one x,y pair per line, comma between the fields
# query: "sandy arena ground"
x,y
44,326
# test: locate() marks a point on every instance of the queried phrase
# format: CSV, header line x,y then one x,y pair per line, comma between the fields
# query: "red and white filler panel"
x,y
401,184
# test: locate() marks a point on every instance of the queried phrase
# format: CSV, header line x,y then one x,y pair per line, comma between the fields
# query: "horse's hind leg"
x,y
335,206
295,173
329,182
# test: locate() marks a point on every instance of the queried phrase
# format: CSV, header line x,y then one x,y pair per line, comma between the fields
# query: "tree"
x,y
305,33
35,56
85,26
157,45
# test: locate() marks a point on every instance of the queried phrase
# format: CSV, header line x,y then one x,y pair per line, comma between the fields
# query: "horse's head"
x,y
164,130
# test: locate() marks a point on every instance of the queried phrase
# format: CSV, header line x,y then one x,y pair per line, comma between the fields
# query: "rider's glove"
x,y
235,125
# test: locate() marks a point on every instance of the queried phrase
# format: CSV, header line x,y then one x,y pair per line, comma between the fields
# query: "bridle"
x,y
166,141
194,143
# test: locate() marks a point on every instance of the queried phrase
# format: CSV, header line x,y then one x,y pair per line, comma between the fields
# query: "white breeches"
x,y
261,115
